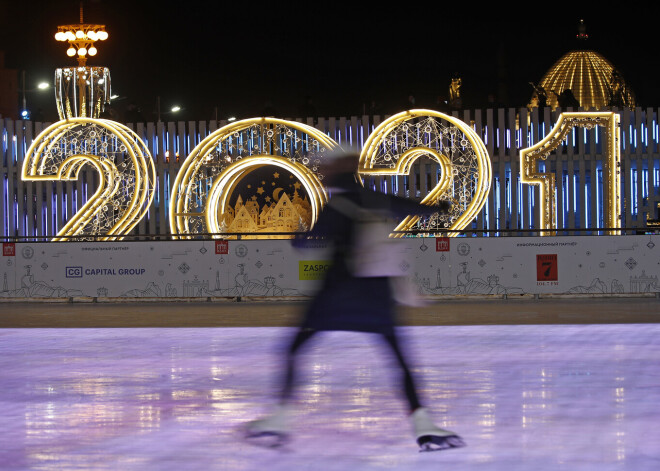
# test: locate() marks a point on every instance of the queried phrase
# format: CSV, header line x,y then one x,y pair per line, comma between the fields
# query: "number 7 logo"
x,y
547,267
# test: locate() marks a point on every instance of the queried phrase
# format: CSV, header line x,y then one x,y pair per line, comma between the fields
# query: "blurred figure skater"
x,y
357,294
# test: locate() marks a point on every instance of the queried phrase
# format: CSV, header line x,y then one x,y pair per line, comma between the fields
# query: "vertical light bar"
x,y
530,206
575,194
586,206
45,215
566,192
497,202
599,203
633,191
486,218
5,205
507,196
645,183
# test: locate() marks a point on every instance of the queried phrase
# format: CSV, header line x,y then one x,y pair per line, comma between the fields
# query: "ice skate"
x,y
430,437
271,431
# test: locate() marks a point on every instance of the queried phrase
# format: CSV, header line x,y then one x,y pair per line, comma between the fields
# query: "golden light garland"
x,y
126,172
203,186
463,159
546,181
593,80
81,91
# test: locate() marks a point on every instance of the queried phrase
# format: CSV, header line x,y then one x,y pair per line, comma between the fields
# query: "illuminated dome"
x,y
592,79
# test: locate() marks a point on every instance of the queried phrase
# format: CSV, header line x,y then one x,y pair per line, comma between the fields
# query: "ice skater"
x,y
357,294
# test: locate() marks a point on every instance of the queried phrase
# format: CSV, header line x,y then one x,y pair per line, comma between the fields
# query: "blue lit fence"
x,y
35,209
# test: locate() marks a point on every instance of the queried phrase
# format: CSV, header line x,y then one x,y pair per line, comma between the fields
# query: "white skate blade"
x,y
265,439
436,443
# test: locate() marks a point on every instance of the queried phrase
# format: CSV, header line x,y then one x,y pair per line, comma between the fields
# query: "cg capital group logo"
x,y
74,272
78,272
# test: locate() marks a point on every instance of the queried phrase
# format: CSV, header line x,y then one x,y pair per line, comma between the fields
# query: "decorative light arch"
x,y
464,163
207,177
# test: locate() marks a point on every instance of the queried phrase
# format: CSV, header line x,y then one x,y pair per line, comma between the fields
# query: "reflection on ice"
x,y
524,397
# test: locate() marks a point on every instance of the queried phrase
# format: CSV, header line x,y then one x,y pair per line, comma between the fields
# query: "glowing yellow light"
x,y
125,187
71,52
74,97
82,37
546,181
201,191
218,199
589,76
392,148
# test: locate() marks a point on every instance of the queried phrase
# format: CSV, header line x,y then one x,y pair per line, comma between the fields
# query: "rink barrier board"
x,y
429,299
251,270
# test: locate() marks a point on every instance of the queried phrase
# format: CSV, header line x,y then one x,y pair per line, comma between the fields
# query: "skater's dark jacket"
x,y
347,302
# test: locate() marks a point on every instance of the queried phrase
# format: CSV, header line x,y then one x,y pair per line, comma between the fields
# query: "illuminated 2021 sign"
x,y
203,199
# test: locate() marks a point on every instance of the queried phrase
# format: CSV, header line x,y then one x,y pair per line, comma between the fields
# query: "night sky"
x,y
239,56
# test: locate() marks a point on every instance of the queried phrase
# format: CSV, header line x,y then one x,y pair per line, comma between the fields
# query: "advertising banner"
x,y
274,268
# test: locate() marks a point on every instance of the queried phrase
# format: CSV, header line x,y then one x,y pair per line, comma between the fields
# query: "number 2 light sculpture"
x,y
461,155
124,165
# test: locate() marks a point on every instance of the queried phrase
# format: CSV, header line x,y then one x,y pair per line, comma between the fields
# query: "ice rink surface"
x,y
528,397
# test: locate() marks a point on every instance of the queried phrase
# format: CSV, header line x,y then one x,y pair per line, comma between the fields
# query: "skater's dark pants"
x,y
305,334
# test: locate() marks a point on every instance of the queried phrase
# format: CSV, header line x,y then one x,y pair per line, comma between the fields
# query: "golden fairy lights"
x,y
592,79
125,169
530,173
81,91
210,175
207,178
464,163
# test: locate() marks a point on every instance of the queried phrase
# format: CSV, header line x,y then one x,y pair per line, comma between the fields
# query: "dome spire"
x,y
582,31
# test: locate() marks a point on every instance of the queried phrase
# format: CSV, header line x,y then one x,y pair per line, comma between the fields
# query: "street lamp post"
x,y
25,113
173,109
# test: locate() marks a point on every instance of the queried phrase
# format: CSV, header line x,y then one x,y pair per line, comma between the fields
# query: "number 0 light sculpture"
x,y
207,178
